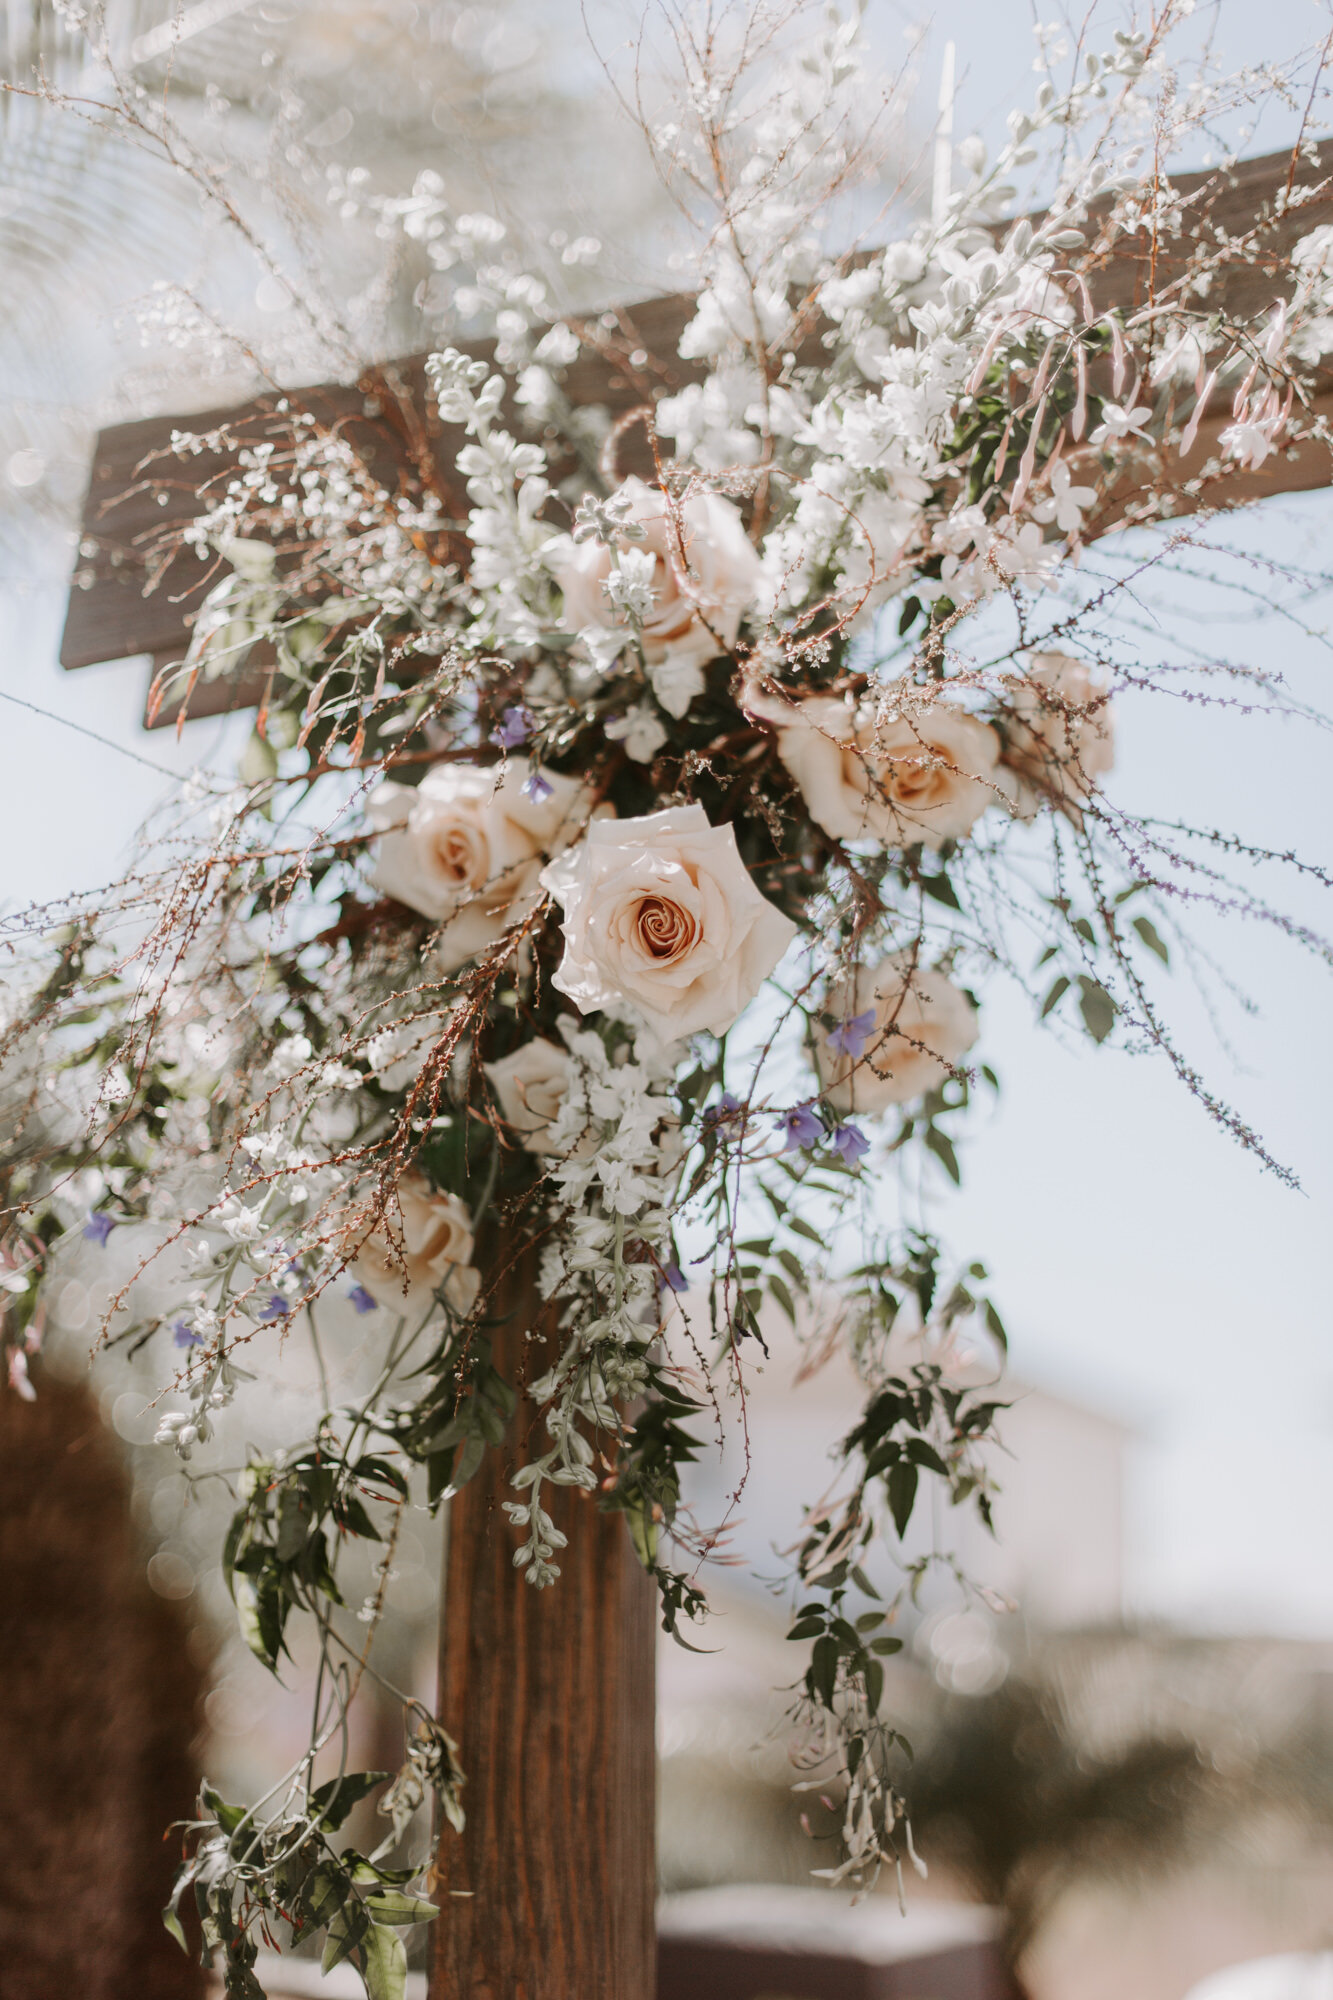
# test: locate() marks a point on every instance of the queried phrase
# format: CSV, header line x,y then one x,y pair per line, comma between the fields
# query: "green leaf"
x,y
346,1929
294,1523
940,1144
1055,996
824,1669
469,1460
995,1326
391,1906
800,1227
384,1964
911,611
783,1296
643,1534
886,1646
333,1802
792,1265
350,1514
942,889
323,1894
1148,932
806,1628
171,1920
374,1468
902,1483
227,1817
260,1615
259,760
1097,1008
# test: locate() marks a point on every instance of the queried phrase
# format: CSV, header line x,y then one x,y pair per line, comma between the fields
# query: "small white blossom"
x,y
640,730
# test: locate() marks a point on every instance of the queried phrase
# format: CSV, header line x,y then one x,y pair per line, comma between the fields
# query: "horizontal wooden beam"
x,y
136,590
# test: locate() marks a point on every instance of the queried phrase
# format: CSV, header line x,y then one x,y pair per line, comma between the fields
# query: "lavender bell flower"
x,y
514,727
674,1278
184,1335
850,1141
536,788
802,1128
850,1037
362,1300
98,1227
277,1308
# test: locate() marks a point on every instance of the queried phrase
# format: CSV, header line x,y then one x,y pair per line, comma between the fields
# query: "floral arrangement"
x,y
613,881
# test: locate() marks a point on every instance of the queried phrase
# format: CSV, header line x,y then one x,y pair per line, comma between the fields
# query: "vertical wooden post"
x,y
548,1894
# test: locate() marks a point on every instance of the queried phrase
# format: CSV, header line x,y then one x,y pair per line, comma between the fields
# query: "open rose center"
x,y
918,781
664,930
673,612
462,855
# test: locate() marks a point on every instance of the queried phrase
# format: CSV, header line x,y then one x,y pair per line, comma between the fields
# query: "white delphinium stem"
x,y
616,1186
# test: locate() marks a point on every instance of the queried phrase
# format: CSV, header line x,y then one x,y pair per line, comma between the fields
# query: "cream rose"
x,y
465,846
531,1085
1061,733
661,914
926,778
423,1246
697,603
921,1028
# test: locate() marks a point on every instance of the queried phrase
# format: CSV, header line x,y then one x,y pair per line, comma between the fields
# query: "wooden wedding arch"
x,y
549,1892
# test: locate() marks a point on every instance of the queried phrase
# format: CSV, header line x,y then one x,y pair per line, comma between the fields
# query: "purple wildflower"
x,y
851,1037
851,1142
726,1107
536,788
98,1227
184,1335
674,1278
277,1308
362,1300
514,727
802,1128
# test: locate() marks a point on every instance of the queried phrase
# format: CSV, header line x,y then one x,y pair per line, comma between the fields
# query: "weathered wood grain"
x,y
131,594
549,1893
124,601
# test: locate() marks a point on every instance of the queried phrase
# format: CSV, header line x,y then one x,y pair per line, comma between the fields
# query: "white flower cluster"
x,y
507,484
618,1149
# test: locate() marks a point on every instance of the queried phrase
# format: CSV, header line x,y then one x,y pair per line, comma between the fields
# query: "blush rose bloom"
x,y
423,1244
923,1027
1061,734
714,587
531,1085
465,847
661,914
927,778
